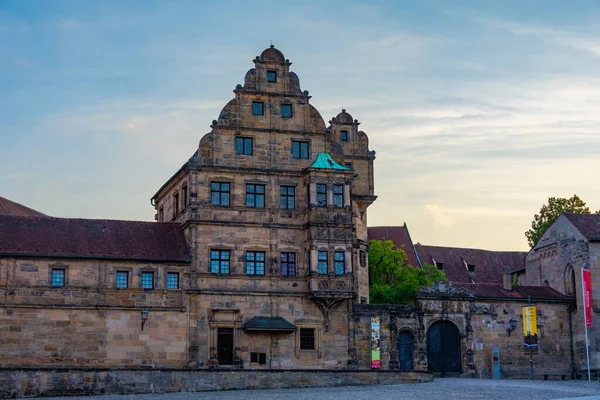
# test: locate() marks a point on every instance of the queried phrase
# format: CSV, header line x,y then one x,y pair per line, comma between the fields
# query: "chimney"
x,y
507,279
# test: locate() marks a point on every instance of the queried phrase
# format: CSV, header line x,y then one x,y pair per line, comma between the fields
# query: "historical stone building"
x,y
274,206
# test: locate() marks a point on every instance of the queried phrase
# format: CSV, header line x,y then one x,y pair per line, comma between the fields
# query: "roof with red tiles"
x,y
496,291
487,266
9,207
587,224
401,238
92,238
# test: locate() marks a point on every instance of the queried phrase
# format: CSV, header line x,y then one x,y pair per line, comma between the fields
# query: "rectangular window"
x,y
255,196
338,196
58,277
288,264
471,267
172,280
286,111
307,339
219,192
258,108
344,136
322,263
255,262
175,205
348,165
147,280
288,197
363,258
440,265
253,357
321,195
219,261
243,145
184,198
262,358
299,149
340,263
122,281
271,76
161,214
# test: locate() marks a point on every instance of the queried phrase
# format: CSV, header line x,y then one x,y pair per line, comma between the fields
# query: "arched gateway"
x,y
443,348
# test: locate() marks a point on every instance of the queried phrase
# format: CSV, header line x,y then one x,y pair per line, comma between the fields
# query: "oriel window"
x,y
340,263
338,196
322,263
321,195
255,196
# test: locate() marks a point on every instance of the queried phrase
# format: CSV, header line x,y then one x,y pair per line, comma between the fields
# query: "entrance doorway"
x,y
405,351
225,346
443,348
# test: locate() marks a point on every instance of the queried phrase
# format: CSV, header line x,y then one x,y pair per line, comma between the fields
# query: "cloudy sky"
x,y
478,110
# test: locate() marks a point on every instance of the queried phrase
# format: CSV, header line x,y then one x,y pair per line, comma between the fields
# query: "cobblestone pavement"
x,y
441,388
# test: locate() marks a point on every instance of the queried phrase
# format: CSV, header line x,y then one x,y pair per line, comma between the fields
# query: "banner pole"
x,y
587,347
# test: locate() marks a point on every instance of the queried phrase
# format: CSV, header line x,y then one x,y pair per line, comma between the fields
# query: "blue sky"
x,y
478,110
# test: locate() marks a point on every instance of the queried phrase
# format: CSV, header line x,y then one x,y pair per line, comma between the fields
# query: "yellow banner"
x,y
529,321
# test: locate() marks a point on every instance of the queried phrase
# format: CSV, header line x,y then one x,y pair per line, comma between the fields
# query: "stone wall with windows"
x,y
82,318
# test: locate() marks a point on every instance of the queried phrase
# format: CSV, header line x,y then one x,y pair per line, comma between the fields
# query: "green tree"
x,y
392,281
550,212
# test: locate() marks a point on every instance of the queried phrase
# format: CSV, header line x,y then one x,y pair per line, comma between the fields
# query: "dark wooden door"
x,y
225,346
405,351
443,348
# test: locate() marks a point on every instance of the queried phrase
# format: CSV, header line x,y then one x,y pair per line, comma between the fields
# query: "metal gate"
x,y
405,350
443,348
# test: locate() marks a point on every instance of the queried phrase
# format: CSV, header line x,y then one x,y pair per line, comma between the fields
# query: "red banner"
x,y
587,296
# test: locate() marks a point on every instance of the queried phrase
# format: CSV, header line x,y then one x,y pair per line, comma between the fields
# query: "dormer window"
x,y
440,265
286,111
344,136
471,267
271,76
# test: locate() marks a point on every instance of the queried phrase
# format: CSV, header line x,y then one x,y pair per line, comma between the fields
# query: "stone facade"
x,y
255,189
557,261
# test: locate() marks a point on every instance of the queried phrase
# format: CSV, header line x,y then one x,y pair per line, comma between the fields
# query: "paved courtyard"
x,y
447,389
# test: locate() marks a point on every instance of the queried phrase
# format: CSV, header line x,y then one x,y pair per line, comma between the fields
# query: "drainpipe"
x,y
571,336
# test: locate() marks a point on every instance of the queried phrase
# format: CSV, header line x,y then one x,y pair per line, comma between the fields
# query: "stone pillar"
x,y
314,261
312,194
348,261
347,202
329,195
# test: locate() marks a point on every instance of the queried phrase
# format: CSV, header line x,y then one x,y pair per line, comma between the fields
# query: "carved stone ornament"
x,y
442,288
489,309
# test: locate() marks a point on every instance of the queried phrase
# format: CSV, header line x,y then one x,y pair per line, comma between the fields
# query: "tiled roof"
x,y
92,238
488,265
496,291
587,224
324,161
401,238
269,324
8,207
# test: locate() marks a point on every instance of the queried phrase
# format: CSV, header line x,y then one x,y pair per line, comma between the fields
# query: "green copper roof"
x,y
324,161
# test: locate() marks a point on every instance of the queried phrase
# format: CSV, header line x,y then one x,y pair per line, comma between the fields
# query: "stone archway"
x,y
443,348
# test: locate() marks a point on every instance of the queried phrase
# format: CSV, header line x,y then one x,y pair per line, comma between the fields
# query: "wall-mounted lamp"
x,y
512,325
144,317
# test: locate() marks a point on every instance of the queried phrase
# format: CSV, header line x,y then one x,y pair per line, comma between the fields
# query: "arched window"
x,y
570,281
546,283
